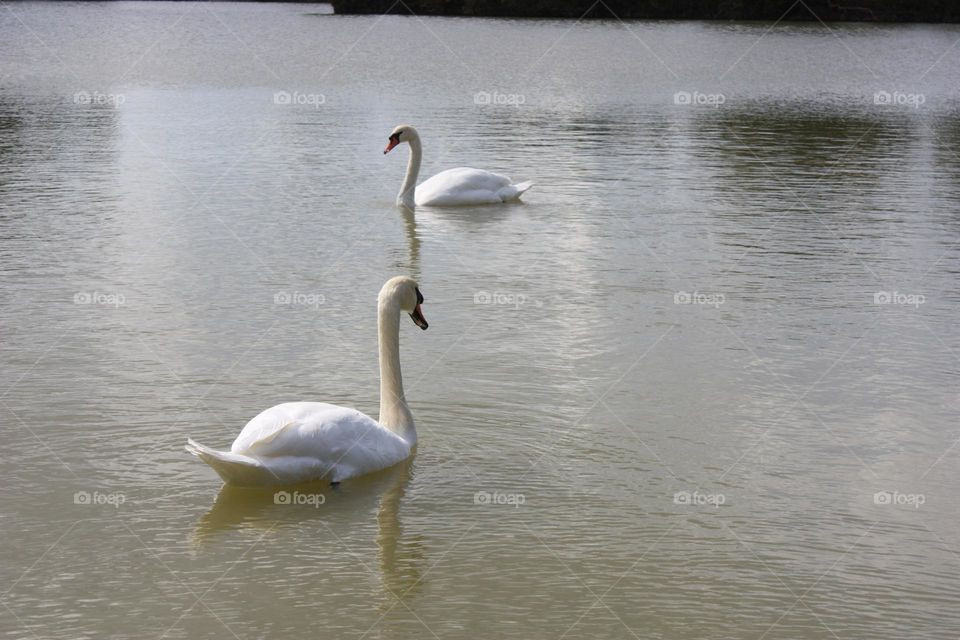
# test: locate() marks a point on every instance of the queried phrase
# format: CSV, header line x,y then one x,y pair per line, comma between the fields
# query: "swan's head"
x,y
404,293
403,133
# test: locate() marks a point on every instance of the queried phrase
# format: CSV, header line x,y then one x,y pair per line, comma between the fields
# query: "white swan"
x,y
453,187
300,441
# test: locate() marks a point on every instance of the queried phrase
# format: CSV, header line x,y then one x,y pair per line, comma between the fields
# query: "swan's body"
x,y
453,187
466,186
299,441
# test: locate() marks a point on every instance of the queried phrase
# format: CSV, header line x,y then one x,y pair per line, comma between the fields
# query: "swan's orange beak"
x,y
418,318
394,141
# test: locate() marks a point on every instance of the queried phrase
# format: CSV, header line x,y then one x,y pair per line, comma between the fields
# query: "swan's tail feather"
x,y
523,186
514,191
233,468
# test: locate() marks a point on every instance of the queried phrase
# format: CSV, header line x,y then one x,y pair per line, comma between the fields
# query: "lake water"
x,y
702,383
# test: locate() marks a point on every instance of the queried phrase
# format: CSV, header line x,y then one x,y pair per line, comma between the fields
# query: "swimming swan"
x,y
299,441
453,187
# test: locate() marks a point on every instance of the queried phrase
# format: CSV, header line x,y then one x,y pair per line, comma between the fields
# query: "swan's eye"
x,y
419,296
395,138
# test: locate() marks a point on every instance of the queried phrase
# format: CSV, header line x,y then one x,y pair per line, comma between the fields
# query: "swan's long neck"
x,y
407,191
394,413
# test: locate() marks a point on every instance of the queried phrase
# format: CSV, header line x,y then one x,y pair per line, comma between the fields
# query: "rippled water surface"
x,y
707,372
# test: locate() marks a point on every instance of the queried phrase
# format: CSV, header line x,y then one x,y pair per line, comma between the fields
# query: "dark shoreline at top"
x,y
935,11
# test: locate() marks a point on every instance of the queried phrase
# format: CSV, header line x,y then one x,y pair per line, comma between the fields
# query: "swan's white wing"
x,y
461,186
339,441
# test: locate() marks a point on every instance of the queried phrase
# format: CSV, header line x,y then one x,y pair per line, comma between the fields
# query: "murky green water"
x,y
659,399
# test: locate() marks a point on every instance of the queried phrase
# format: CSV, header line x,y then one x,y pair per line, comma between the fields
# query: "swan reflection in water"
x,y
413,243
345,507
